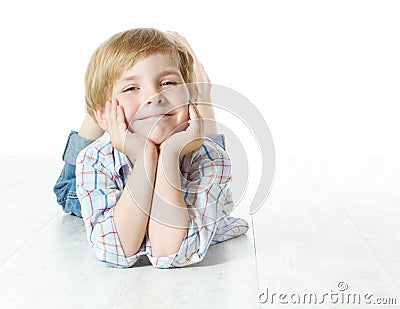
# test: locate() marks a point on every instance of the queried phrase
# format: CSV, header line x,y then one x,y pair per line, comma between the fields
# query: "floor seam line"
x,y
27,240
255,255
369,245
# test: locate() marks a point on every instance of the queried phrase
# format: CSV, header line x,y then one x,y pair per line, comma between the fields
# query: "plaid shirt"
x,y
101,174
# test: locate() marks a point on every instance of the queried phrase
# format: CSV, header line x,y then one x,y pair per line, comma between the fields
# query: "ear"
x,y
101,119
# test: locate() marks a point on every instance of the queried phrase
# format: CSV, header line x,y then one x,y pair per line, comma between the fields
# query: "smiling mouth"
x,y
155,116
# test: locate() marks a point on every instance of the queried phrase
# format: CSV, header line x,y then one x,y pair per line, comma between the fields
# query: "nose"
x,y
155,98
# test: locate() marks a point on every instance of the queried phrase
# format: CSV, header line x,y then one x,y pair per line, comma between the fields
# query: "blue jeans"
x,y
65,187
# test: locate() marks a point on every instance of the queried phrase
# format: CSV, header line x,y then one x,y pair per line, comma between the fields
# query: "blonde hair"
x,y
123,50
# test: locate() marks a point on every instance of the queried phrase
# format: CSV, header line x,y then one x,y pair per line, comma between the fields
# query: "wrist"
x,y
203,98
137,149
167,159
90,129
144,156
149,163
169,152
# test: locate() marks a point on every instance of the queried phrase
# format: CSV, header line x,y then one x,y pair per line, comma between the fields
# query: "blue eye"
x,y
167,83
130,89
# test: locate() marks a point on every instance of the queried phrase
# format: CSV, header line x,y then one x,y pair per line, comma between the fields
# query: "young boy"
x,y
152,184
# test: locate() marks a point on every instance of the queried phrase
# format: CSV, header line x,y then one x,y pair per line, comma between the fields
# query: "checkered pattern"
x,y
101,174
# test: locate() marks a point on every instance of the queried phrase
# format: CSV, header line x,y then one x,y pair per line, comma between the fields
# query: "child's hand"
x,y
135,146
204,90
204,85
186,141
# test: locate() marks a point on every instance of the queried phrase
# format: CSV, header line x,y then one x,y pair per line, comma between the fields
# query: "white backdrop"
x,y
324,74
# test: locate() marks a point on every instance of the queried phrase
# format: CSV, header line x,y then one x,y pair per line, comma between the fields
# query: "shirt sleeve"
x,y
98,192
219,139
205,192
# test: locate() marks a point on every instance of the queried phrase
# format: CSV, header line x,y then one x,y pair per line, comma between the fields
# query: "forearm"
x,y
207,112
169,214
90,129
132,209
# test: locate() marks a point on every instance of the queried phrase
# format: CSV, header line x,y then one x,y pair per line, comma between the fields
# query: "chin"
x,y
158,136
157,139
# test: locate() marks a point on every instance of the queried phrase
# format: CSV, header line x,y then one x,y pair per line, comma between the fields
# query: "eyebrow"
x,y
162,73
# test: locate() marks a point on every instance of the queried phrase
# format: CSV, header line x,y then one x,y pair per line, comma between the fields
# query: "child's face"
x,y
149,93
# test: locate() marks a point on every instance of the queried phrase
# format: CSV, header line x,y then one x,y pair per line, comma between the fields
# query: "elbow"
x,y
110,258
168,247
165,250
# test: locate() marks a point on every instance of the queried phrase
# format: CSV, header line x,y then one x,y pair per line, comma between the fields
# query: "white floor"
x,y
328,224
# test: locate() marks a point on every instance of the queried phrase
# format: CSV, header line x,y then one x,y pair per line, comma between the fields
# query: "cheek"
x,y
178,95
129,110
182,114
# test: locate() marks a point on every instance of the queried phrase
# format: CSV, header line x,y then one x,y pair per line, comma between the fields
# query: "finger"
x,y
107,114
113,111
121,117
200,121
175,34
197,64
197,120
182,39
114,121
193,111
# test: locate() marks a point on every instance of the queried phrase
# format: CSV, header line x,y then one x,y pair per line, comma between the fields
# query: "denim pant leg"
x,y
65,191
65,187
